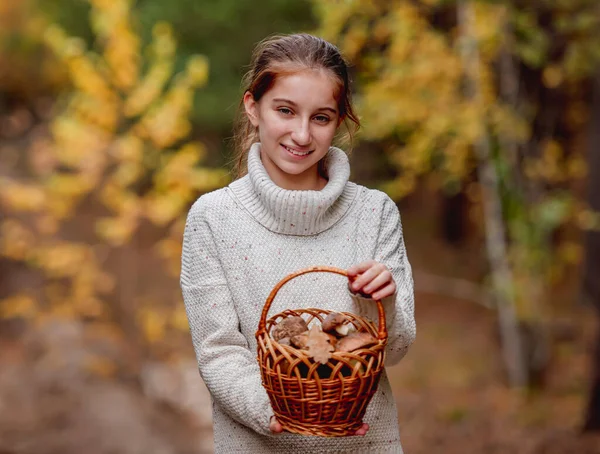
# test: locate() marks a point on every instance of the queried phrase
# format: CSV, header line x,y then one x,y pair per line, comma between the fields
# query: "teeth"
x,y
296,153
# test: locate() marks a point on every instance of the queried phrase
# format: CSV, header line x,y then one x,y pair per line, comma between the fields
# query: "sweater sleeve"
x,y
226,364
399,308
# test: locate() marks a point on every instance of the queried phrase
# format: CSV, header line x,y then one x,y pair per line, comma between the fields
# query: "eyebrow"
x,y
292,103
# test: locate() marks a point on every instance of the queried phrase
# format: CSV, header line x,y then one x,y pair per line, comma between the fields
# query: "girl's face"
x,y
297,119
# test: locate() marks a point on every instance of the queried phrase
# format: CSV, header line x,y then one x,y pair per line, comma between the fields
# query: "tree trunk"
x,y
503,283
591,279
535,340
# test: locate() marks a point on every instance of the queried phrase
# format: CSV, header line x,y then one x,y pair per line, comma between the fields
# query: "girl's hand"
x,y
372,278
276,428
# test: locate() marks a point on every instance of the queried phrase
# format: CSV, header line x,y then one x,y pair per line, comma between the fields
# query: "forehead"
x,y
309,89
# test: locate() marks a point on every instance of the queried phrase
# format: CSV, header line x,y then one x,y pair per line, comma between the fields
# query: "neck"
x,y
309,180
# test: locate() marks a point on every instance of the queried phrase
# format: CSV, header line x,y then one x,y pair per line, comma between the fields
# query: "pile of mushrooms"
x,y
335,334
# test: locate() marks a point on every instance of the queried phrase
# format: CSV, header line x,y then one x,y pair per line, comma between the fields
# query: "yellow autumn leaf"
x,y
116,231
179,319
18,306
169,249
16,240
197,70
64,309
128,147
127,173
149,89
205,180
21,197
161,209
68,185
153,325
164,44
577,168
61,259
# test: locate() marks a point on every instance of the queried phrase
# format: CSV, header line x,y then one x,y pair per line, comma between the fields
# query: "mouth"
x,y
297,152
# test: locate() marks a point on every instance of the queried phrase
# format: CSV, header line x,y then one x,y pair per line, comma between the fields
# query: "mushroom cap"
x,y
354,341
289,327
300,340
332,339
284,341
333,320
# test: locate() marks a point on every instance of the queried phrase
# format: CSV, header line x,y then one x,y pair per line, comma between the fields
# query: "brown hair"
x,y
282,55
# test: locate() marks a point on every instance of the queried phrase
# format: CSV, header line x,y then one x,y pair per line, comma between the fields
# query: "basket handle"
x,y
262,324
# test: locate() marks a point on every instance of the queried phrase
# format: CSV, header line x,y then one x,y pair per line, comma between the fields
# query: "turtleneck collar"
x,y
296,212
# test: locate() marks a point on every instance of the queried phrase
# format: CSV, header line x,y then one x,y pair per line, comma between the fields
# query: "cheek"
x,y
273,125
326,133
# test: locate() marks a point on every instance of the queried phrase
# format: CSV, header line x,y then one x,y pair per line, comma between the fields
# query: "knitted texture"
x,y
239,242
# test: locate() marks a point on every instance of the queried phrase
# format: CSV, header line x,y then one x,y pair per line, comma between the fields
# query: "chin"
x,y
292,170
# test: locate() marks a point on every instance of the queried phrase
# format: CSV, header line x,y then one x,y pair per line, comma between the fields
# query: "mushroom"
x,y
282,366
289,327
300,340
354,341
336,323
332,339
284,341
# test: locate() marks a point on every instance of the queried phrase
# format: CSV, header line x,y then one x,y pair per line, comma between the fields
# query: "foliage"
x,y
224,31
117,143
413,99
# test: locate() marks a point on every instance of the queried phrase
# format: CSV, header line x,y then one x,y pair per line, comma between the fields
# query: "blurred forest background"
x,y
481,118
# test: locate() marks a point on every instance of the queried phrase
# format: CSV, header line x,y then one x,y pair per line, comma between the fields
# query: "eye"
x,y
322,118
284,110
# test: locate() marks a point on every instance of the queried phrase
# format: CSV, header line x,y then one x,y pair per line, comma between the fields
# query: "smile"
x,y
297,153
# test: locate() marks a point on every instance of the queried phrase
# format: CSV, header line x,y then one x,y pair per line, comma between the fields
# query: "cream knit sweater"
x,y
239,242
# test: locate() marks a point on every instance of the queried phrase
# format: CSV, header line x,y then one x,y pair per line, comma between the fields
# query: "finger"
x,y
359,268
384,292
362,431
275,426
367,276
380,281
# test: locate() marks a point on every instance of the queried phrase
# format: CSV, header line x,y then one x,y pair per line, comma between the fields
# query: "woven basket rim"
x,y
382,333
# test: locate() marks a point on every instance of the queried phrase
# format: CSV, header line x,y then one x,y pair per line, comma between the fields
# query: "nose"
x,y
301,133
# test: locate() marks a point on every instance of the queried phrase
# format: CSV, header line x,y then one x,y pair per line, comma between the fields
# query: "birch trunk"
x,y
530,191
502,278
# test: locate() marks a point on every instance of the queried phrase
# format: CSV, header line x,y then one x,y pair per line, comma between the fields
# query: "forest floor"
x,y
452,397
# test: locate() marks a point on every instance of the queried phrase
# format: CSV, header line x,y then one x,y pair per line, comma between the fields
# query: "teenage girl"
x,y
291,207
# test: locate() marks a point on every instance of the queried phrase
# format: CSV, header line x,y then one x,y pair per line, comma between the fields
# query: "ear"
x,y
251,107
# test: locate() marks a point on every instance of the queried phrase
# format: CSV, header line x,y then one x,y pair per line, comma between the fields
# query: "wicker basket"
x,y
307,397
